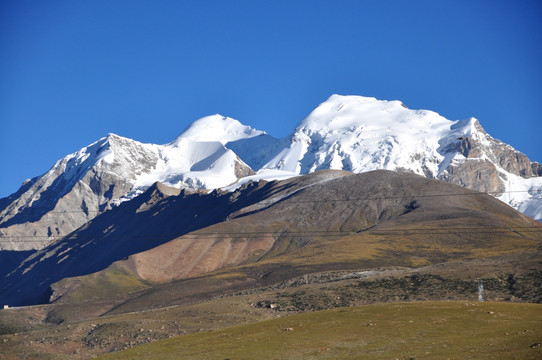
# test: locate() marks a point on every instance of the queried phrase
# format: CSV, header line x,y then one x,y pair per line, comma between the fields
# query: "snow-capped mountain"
x,y
114,169
360,134
351,133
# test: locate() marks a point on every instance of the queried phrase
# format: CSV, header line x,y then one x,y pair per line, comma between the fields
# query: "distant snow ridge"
x,y
351,133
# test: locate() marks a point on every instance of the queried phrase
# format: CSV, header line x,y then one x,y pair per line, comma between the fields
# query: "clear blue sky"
x,y
73,71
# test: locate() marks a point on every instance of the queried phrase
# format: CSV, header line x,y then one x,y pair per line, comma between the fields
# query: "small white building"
x,y
6,306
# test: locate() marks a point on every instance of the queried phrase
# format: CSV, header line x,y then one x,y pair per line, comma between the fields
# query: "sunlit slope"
x,y
420,330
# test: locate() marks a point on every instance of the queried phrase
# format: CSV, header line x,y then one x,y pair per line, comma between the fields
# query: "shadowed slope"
x,y
156,217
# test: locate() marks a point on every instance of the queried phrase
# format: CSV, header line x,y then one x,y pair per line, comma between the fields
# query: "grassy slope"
x,y
77,331
24,335
103,284
430,330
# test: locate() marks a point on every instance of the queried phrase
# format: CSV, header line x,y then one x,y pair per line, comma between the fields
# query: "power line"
x,y
37,209
311,233
439,231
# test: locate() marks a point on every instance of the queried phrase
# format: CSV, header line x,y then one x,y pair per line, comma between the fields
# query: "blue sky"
x,y
73,71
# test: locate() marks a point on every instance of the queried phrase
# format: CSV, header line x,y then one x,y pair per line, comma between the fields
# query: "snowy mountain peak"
x,y
103,149
114,139
218,128
112,136
346,113
112,170
359,134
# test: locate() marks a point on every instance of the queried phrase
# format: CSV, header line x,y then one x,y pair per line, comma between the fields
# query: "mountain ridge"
x,y
352,133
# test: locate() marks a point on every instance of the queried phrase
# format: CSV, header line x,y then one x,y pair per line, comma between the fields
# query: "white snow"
x,y
359,134
258,150
524,194
218,128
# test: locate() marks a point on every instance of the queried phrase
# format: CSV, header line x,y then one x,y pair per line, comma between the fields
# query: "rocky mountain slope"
x,y
278,230
350,133
115,169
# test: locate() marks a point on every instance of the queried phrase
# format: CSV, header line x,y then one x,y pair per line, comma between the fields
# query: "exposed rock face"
x,y
92,180
478,170
241,169
489,165
463,146
75,190
475,174
499,153
536,168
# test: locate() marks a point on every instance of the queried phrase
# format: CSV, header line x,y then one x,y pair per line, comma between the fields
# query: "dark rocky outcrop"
x,y
536,168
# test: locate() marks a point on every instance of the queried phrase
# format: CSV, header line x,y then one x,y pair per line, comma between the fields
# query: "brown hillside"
x,y
324,222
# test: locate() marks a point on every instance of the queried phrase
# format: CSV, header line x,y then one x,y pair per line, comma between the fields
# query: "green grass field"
x,y
417,330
